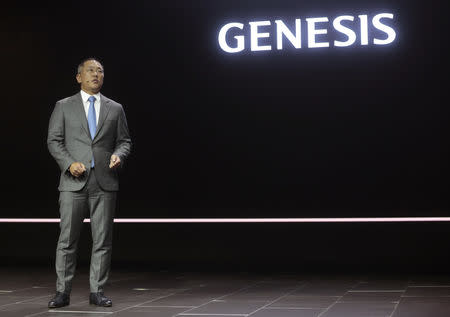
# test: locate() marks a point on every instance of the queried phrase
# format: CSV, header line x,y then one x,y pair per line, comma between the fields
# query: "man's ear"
x,y
78,77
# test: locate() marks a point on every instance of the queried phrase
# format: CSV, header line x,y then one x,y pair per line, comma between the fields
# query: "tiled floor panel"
x,y
25,292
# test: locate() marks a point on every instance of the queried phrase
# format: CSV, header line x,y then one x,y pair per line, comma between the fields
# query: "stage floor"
x,y
25,292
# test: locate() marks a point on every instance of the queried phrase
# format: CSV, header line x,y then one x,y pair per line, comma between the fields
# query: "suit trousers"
x,y
73,207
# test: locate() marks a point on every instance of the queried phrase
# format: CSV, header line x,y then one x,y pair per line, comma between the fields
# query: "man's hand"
x,y
77,169
114,162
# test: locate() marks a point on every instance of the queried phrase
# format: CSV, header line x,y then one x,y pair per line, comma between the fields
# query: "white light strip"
x,y
240,220
79,312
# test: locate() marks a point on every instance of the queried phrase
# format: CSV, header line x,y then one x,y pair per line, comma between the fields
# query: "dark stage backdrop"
x,y
314,132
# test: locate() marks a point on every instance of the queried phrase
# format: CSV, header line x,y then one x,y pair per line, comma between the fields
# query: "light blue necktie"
x,y
92,121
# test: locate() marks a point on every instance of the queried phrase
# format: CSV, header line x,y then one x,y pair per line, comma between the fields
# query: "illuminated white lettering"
x,y
282,29
312,32
239,38
364,29
376,21
351,35
258,33
255,36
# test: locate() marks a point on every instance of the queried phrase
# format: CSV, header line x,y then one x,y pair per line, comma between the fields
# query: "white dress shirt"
x,y
85,96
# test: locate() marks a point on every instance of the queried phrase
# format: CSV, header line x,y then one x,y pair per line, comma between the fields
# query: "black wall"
x,y
359,131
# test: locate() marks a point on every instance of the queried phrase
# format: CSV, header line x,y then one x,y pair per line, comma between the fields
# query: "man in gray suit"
x,y
89,139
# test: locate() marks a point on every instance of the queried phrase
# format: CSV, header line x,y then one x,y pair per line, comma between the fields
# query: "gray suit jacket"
x,y
69,141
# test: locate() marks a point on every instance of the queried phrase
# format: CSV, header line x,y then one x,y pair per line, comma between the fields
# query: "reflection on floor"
x,y
25,292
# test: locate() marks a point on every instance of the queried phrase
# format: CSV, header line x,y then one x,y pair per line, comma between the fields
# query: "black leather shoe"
x,y
60,300
99,299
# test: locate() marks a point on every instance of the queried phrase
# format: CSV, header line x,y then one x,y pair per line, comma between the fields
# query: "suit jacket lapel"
x,y
104,109
81,113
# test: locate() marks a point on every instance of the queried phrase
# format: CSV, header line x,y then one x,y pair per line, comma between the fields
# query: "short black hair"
x,y
88,59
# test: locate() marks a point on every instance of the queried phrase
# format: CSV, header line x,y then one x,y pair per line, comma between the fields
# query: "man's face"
x,y
91,76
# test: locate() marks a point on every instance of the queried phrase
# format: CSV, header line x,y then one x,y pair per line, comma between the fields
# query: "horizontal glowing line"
x,y
240,220
79,312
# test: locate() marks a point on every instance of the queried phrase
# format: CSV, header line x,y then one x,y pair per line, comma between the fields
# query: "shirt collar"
x,y
85,96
